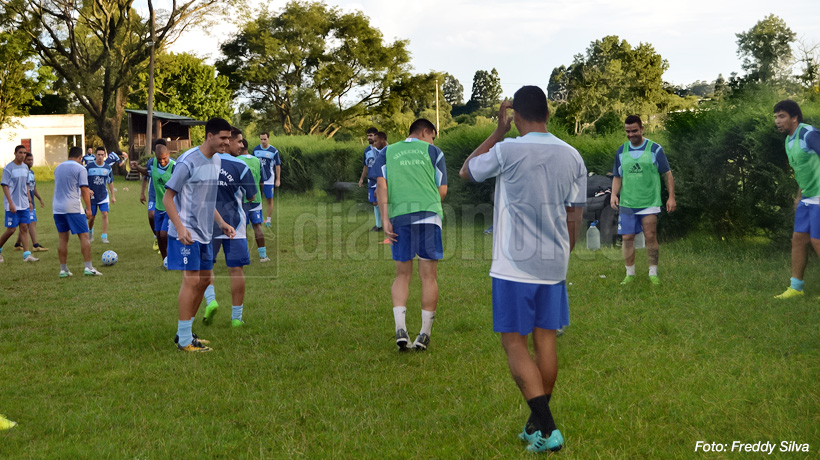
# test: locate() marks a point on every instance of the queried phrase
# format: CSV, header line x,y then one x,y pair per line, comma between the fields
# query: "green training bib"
x,y
641,181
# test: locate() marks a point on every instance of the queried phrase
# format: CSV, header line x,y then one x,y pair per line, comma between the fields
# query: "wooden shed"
x,y
175,129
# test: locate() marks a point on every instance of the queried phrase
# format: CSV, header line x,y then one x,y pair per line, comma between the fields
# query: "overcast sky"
x,y
526,39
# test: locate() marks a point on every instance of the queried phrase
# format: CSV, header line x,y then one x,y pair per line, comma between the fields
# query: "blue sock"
x,y
184,332
210,295
1,249
236,312
104,236
263,252
26,254
797,284
378,215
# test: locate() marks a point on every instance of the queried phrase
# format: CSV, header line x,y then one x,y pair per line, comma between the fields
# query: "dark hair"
x,y
530,103
29,154
245,144
217,125
21,146
382,135
235,132
160,141
633,119
100,148
372,130
75,152
264,133
790,107
422,124
164,148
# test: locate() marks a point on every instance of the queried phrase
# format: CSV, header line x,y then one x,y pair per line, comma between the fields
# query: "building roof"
x,y
169,116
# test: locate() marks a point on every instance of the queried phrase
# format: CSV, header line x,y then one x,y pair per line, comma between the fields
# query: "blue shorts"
x,y
75,222
94,205
32,215
253,213
807,219
371,195
152,205
14,219
236,251
423,240
160,221
195,257
630,223
521,307
268,189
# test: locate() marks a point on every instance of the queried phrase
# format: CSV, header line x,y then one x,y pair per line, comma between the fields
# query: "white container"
x,y
640,241
593,237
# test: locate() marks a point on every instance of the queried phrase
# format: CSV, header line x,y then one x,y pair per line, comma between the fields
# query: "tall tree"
x,y
452,90
411,97
558,86
19,83
185,85
766,49
311,67
486,88
720,87
98,47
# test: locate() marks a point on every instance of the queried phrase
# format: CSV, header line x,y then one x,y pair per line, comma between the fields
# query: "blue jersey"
x,y
98,178
369,160
235,184
31,185
152,196
268,159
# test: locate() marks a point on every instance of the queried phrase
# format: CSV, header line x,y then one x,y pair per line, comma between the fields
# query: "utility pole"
x,y
149,131
437,120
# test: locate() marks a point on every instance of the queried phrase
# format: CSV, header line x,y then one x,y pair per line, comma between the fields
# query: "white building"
x,y
48,137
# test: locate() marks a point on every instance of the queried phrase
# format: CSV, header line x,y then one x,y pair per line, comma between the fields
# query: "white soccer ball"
x,y
165,263
109,258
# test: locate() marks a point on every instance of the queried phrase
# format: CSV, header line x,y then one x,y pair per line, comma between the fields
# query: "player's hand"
x,y
124,156
12,208
42,205
388,231
184,236
505,118
360,183
276,183
134,165
671,205
142,198
613,201
229,231
88,214
113,199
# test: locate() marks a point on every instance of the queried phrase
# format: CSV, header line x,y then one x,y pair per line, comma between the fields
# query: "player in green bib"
x,y
411,181
161,173
639,165
802,149
253,208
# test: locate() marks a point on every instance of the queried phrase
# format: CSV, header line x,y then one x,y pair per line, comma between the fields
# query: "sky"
x,y
524,39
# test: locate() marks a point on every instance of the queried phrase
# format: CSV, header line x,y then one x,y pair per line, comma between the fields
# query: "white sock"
x,y
267,220
427,318
653,270
399,314
630,270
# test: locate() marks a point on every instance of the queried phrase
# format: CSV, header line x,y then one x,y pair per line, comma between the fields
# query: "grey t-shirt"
x,y
195,179
69,176
538,176
16,178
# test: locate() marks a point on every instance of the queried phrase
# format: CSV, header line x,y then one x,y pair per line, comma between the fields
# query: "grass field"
x,y
89,369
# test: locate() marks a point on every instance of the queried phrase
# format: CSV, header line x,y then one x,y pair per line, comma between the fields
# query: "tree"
x,y
19,87
766,49
412,97
810,59
486,88
452,90
312,68
558,86
185,85
98,47
721,87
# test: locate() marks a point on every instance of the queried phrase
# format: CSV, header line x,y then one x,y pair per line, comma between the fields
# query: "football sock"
x,y
236,312
399,314
532,423
263,252
1,249
378,215
427,321
88,265
797,284
184,332
653,270
210,295
630,270
104,236
155,236
64,267
540,407
26,254
267,220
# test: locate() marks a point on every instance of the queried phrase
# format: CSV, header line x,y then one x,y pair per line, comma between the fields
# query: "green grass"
x,y
89,369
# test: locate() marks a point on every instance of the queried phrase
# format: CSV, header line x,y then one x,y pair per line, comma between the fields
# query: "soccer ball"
x,y
109,258
165,263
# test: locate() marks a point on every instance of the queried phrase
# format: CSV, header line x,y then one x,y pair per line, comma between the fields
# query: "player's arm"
x,y
85,191
671,204
278,175
381,198
37,194
7,193
442,191
123,159
142,191
226,229
111,192
616,189
574,215
183,235
142,169
364,174
504,125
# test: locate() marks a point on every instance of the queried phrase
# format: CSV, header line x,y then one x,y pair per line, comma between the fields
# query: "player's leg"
x,y
268,190
32,233
546,358
628,226
104,211
161,229
429,301
190,293
261,248
24,237
399,292
236,257
91,220
151,224
650,233
803,228
211,305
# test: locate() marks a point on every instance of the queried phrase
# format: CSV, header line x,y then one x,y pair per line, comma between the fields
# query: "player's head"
x,y
371,135
236,141
787,115
423,130
75,153
163,155
634,129
29,161
380,140
263,139
244,149
218,135
89,150
159,141
99,155
19,154
530,105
